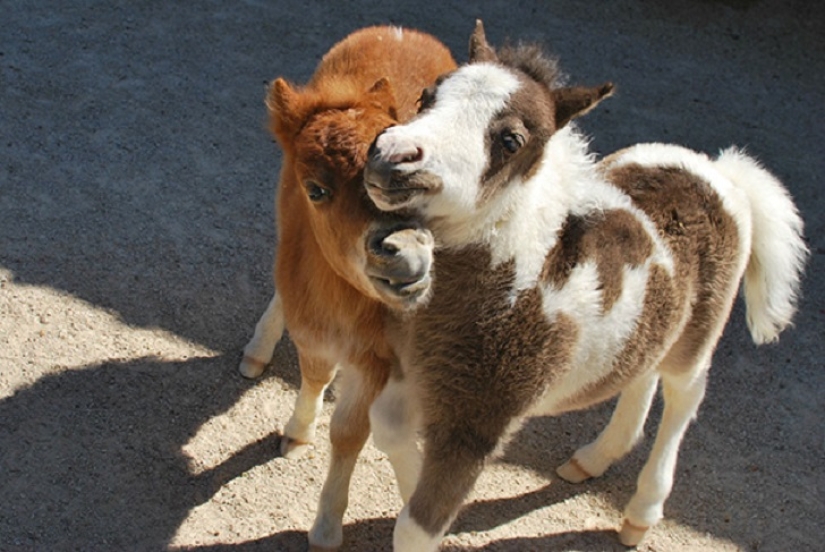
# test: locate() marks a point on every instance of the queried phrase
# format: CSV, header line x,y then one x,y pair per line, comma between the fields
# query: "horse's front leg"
x,y
349,430
454,456
316,375
268,331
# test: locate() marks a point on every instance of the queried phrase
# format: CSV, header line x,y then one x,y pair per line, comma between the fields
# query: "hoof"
x,y
326,535
573,472
631,535
251,367
293,448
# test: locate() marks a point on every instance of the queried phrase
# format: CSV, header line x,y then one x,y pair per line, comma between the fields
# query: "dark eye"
x,y
511,141
427,98
315,192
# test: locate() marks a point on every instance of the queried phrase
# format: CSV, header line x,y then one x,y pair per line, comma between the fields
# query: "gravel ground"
x,y
136,238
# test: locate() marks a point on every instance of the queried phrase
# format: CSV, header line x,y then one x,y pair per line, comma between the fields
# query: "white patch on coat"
x,y
524,221
602,335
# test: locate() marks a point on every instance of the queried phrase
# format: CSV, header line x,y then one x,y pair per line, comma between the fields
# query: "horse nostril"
x,y
379,246
407,156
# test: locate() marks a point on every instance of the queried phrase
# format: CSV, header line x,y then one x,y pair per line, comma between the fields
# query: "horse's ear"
x,y
282,103
382,96
479,49
576,101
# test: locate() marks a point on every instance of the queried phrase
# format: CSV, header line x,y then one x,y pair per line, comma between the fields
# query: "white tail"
x,y
778,251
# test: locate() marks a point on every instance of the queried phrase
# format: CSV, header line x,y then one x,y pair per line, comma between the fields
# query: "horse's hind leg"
x,y
619,437
316,375
682,395
349,430
394,426
268,331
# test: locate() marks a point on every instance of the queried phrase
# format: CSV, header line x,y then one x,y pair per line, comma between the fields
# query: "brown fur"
x,y
322,141
701,234
536,128
478,363
612,238
364,84
472,366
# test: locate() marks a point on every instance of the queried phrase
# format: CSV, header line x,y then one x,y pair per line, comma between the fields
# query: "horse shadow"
x,y
93,457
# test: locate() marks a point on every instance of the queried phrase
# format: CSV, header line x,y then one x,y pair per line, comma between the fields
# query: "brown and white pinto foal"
x,y
559,282
341,265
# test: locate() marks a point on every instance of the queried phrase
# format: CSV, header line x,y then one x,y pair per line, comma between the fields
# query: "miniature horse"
x,y
560,283
334,289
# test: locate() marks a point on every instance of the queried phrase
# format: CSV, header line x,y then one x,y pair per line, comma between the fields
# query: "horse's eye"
x,y
512,141
315,192
427,98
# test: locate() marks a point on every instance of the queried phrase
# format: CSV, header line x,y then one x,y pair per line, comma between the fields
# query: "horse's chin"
x,y
395,190
390,200
403,296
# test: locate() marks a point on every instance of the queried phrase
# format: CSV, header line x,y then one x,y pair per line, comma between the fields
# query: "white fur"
x,y
394,423
460,162
327,530
779,252
408,536
602,334
268,331
625,428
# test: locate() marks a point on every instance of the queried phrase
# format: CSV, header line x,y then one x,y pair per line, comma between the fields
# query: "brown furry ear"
x,y
282,103
576,101
382,96
479,49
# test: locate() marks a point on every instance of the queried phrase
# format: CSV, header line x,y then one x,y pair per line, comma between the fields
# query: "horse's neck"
x,y
534,211
528,220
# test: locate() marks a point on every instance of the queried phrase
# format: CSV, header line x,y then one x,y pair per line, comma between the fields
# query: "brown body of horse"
x,y
336,288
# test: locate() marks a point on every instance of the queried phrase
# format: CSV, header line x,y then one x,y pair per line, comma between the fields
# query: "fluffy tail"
x,y
778,251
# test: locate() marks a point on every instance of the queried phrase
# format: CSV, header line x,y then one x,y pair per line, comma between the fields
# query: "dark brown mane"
x,y
531,60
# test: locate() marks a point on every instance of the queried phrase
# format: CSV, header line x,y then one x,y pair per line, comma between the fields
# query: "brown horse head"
x,y
325,133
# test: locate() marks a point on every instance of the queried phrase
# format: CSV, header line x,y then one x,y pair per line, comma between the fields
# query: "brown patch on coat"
x,y
529,114
537,110
703,238
478,361
611,239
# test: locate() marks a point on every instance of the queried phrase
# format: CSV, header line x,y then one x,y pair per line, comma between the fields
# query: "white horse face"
x,y
436,162
480,131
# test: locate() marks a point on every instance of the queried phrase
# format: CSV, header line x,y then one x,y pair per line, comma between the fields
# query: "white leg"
x,y
408,536
619,437
394,426
268,331
316,375
349,430
682,396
